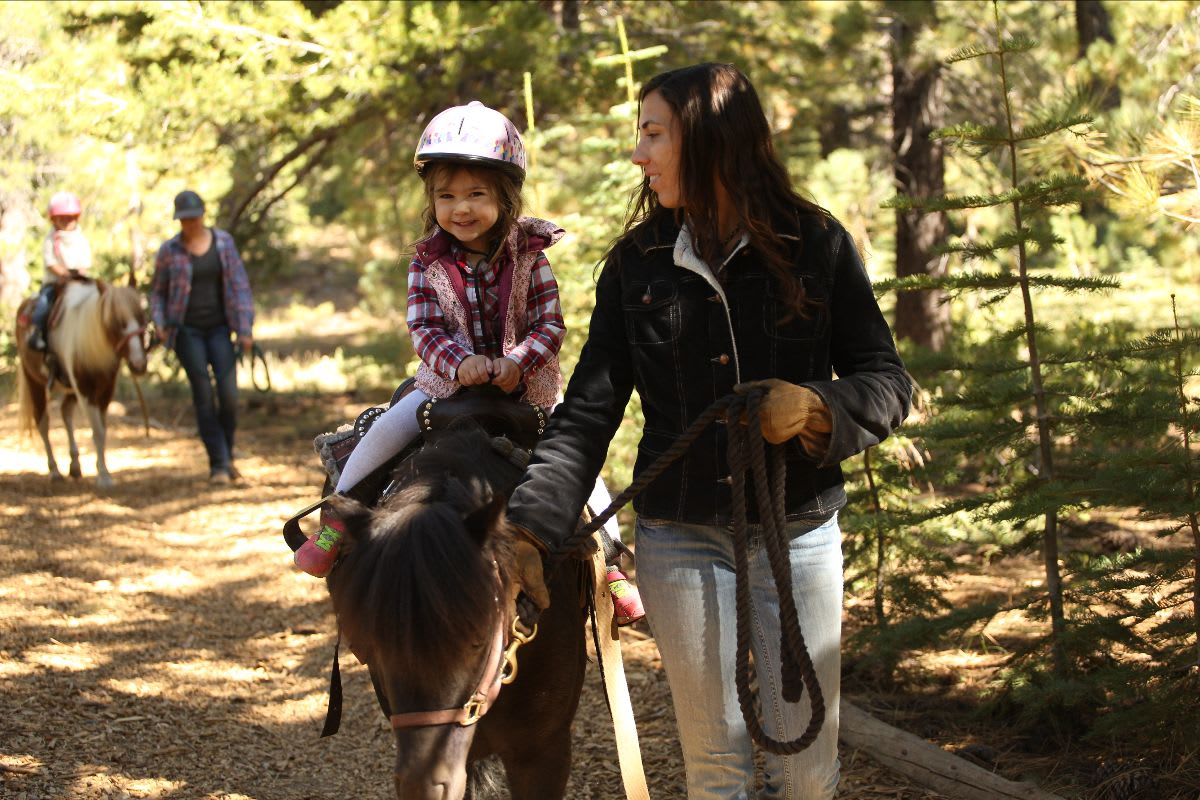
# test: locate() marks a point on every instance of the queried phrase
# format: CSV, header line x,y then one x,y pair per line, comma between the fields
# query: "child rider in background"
x,y
65,253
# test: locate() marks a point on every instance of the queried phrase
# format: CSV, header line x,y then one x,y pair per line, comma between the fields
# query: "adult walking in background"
x,y
725,277
199,297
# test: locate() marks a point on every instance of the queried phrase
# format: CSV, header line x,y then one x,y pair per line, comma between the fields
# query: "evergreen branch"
x,y
1054,190
989,281
1012,44
1042,129
970,51
1018,43
971,133
1043,240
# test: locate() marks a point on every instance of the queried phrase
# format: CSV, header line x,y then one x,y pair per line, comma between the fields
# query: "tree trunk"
x,y
918,107
833,129
569,15
1092,25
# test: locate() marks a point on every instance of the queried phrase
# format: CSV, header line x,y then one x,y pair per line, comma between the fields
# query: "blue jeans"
x,y
686,574
216,414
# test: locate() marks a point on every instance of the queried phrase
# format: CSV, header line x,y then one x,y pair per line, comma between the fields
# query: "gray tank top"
x,y
206,304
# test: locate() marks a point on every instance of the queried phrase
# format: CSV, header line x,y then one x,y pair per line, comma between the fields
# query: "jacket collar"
x,y
529,235
685,253
685,257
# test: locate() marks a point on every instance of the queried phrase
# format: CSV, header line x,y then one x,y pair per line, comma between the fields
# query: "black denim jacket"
x,y
664,325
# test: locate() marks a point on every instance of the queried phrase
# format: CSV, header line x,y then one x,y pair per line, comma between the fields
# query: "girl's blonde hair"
x,y
505,188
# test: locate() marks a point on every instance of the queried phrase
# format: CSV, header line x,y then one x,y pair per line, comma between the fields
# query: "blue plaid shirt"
x,y
172,286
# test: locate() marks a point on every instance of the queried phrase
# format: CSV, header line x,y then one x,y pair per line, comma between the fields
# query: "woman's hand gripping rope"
x,y
787,411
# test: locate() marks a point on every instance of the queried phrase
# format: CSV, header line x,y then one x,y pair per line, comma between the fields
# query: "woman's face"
x,y
192,227
657,151
465,206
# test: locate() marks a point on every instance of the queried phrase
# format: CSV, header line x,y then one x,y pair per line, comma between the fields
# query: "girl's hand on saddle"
x,y
474,370
506,374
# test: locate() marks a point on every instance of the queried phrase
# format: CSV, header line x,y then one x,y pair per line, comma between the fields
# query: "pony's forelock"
x,y
417,586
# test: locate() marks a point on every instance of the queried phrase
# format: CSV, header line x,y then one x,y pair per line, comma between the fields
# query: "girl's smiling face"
x,y
465,206
658,149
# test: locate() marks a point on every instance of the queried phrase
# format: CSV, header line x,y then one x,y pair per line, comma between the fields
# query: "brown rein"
x,y
499,668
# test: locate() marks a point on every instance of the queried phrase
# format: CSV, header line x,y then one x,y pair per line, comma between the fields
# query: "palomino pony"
x,y
425,594
100,326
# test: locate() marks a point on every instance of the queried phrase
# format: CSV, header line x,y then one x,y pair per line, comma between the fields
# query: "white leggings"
x,y
386,437
398,426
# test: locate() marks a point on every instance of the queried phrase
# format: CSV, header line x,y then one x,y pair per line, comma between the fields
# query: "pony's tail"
x,y
25,403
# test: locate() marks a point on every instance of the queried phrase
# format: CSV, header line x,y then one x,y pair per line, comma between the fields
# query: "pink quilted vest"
x,y
528,238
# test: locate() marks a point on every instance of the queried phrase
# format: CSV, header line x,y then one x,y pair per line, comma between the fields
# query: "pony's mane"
x,y
83,335
98,319
118,306
418,584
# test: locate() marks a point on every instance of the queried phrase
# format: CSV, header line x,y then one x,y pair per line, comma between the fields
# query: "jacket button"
x,y
646,298
716,298
727,480
722,359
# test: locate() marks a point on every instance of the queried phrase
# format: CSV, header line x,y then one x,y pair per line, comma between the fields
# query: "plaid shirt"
x,y
427,322
482,281
172,286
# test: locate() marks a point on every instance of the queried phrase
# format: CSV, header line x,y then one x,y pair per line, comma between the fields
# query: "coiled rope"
x,y
746,453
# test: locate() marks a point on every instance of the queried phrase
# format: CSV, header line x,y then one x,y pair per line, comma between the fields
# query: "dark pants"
x,y
40,314
216,414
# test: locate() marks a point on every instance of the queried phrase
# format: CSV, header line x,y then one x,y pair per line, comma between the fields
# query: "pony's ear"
x,y
356,516
487,518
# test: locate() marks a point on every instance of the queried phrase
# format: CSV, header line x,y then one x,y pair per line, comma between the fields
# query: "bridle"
x,y
499,668
122,344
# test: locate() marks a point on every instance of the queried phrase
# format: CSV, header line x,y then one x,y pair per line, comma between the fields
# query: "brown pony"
x,y
423,592
99,327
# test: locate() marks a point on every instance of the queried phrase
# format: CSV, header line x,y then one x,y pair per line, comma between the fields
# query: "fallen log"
x,y
927,764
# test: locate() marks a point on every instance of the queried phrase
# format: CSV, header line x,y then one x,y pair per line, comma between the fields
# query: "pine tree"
x,y
1009,398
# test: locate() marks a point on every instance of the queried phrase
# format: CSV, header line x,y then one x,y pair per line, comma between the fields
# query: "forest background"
x,y
1021,178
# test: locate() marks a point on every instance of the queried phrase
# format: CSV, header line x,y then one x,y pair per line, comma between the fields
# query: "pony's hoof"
x,y
105,482
56,477
76,473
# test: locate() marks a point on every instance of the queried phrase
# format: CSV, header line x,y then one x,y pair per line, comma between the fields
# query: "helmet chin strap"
x,y
489,254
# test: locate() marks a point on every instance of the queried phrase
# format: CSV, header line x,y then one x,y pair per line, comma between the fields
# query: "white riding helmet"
x,y
470,134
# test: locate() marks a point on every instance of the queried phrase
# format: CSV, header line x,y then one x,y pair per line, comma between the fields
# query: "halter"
x,y
123,343
499,668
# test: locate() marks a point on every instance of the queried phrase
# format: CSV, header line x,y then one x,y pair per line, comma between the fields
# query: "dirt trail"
x,y
156,643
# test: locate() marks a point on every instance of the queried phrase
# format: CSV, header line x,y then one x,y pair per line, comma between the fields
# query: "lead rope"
x,y
798,670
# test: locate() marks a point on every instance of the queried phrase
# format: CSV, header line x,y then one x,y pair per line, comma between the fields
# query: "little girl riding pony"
x,y
65,253
483,303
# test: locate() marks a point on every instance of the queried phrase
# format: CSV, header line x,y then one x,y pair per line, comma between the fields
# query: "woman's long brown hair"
x,y
725,137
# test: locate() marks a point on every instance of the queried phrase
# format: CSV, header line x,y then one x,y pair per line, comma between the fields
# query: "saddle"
x,y
58,309
515,425
487,406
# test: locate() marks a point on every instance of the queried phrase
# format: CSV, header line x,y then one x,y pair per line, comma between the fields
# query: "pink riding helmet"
x,y
65,204
472,133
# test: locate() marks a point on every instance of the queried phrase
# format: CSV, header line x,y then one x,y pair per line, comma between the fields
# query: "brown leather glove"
x,y
529,578
789,411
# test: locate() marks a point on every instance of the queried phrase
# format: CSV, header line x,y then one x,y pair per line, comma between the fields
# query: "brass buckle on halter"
x,y
508,672
473,709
